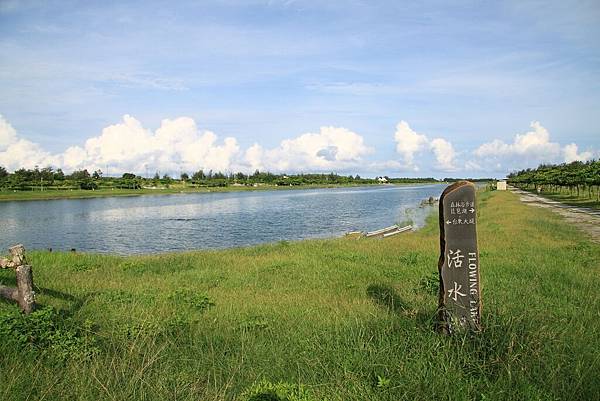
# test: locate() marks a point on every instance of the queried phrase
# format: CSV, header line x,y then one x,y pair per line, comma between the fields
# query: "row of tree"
x,y
577,178
49,178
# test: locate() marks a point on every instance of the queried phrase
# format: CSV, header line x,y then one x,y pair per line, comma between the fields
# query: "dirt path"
x,y
586,219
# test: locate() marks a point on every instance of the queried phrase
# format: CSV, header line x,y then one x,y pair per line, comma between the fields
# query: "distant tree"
x,y
3,173
22,175
83,179
47,173
79,175
59,175
184,177
128,176
198,175
97,174
156,176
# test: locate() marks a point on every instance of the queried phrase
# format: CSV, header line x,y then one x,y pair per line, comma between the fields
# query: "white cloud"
x,y
534,144
528,150
16,153
8,135
333,148
409,143
444,154
571,155
178,144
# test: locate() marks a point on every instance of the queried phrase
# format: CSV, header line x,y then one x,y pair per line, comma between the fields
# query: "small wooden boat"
x,y
382,231
398,231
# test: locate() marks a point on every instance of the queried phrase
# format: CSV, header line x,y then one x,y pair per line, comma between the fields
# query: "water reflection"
x,y
215,220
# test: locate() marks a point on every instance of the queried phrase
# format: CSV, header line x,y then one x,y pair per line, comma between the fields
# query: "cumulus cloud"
x,y
444,154
178,144
8,135
409,143
332,148
17,152
571,155
528,149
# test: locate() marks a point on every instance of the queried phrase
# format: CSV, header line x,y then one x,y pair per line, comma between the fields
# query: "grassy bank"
x,y
100,193
341,319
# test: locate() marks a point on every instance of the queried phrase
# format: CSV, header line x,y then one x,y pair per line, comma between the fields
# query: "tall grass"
x,y
339,319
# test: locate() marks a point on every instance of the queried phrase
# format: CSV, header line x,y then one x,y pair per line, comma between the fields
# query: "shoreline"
x,y
108,193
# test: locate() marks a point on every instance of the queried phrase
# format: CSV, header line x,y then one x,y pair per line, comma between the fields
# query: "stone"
x,y
460,289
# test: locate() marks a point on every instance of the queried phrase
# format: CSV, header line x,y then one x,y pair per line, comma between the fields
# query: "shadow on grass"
x,y
386,297
75,303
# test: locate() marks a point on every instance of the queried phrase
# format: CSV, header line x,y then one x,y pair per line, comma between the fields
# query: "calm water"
x,y
145,224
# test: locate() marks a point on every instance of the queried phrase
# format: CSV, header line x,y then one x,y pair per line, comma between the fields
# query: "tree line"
x,y
582,179
49,178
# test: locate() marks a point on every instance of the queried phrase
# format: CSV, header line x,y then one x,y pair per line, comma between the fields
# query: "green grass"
x,y
573,199
340,319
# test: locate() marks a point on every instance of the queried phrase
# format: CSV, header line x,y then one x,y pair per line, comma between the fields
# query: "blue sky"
x,y
482,87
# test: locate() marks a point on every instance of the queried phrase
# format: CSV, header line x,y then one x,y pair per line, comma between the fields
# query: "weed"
x,y
44,331
192,299
430,284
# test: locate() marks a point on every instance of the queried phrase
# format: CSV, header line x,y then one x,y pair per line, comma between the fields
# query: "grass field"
x,y
340,319
573,199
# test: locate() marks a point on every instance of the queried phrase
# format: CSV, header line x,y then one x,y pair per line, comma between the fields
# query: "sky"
x,y
397,88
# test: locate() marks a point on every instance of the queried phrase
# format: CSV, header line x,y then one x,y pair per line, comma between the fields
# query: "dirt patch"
x,y
586,219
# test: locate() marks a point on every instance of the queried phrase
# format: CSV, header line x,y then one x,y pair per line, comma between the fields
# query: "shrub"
x,y
45,331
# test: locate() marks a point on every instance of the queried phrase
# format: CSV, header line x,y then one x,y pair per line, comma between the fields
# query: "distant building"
x,y
501,185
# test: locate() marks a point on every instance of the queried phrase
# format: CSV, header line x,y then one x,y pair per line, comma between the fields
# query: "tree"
x,y
59,175
97,174
128,176
198,176
3,173
184,177
79,175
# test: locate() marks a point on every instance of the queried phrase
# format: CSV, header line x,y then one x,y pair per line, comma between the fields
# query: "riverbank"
x,y
340,319
117,192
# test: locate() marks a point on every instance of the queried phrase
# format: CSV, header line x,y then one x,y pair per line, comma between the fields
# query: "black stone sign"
x,y
460,290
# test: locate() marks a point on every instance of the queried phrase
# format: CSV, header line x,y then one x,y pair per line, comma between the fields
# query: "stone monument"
x,y
460,289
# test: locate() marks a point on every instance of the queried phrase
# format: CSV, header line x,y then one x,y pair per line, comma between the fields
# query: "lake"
x,y
163,223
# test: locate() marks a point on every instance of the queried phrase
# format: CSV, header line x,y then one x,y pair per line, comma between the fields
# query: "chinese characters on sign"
x,y
460,291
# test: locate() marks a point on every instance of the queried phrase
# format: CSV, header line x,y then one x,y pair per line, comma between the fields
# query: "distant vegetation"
x,y
577,179
51,179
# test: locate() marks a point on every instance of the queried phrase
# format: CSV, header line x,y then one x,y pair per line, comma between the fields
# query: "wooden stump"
x,y
25,288
23,294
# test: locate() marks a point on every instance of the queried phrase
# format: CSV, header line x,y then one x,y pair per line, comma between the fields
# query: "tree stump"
x,y
23,294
